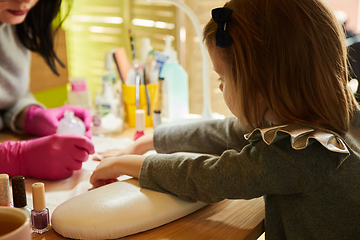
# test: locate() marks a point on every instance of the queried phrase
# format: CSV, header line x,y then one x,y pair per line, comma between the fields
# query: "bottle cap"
x,y
78,84
140,120
19,192
71,124
69,114
4,190
38,193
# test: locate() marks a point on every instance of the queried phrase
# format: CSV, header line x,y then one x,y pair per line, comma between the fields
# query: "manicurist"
x,y
26,25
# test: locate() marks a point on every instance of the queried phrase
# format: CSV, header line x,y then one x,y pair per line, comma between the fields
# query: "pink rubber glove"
x,y
52,157
43,122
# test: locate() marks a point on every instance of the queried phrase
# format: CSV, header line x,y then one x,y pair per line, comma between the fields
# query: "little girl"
x,y
282,67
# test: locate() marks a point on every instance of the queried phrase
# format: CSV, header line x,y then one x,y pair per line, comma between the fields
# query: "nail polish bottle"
x,y
71,124
156,118
40,214
19,194
139,123
5,191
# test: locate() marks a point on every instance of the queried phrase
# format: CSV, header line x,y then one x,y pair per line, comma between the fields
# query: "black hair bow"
x,y
221,16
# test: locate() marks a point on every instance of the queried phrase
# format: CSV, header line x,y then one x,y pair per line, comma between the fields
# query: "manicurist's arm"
x,y
19,122
15,115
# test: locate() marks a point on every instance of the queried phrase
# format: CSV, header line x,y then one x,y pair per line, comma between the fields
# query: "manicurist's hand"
x,y
110,169
43,122
52,157
139,147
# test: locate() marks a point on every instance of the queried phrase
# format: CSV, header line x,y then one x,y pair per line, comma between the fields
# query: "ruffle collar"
x,y
300,137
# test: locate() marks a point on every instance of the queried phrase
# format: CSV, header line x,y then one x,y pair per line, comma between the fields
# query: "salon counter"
x,y
229,219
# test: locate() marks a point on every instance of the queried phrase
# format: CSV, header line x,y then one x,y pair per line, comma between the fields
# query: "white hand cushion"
x,y
117,210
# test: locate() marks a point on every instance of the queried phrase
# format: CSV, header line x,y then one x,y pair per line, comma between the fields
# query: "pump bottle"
x,y
146,48
175,86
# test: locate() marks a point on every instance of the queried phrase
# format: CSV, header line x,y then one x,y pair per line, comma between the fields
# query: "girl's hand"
x,y
139,147
111,168
111,153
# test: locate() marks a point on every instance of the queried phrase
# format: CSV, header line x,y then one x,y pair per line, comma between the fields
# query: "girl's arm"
x,y
112,168
210,137
139,147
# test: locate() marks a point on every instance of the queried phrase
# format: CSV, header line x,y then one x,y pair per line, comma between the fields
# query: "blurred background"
x,y
94,28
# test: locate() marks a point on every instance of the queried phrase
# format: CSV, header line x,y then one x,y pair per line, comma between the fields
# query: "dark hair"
x,y
37,31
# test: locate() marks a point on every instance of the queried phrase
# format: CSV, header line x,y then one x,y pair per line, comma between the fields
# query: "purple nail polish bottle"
x,y
40,216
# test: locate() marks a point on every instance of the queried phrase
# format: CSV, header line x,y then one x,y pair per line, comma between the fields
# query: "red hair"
x,y
293,54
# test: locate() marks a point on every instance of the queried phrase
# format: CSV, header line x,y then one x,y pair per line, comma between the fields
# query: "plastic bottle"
x,y
109,72
175,87
168,54
71,124
108,104
169,50
79,95
145,49
148,60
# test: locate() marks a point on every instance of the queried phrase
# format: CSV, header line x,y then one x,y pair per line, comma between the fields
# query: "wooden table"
x,y
229,219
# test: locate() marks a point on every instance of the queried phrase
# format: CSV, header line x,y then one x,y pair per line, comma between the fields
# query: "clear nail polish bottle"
x,y
19,194
71,124
5,191
40,216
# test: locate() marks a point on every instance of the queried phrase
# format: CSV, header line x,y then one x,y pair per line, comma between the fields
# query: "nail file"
x,y
122,63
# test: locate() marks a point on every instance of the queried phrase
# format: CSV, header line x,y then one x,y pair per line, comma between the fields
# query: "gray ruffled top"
x,y
300,137
308,177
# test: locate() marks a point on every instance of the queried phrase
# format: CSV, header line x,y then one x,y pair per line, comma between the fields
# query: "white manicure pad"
x,y
117,210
